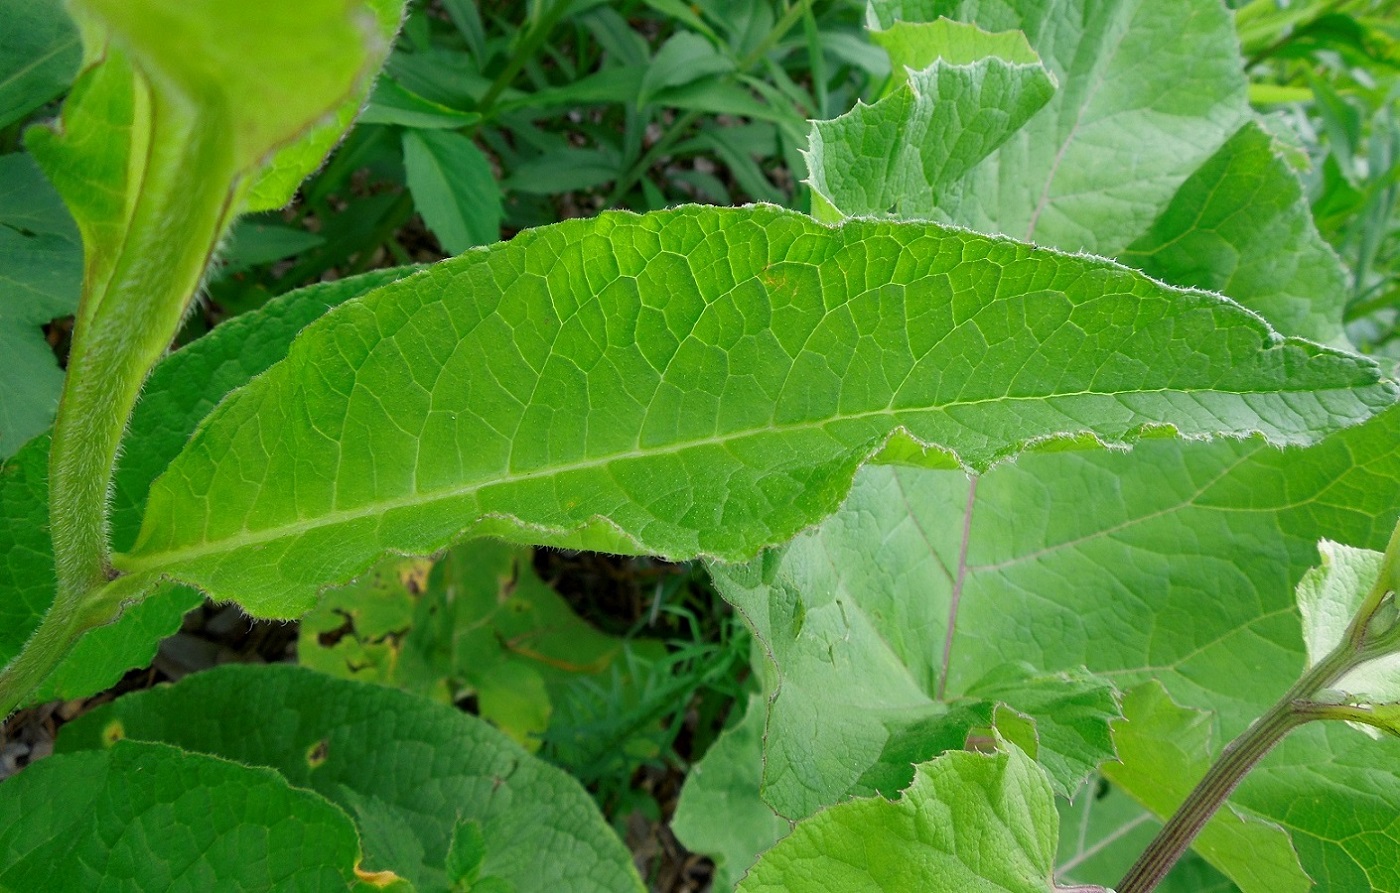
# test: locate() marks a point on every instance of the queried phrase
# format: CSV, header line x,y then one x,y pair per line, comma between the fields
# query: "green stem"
x,y
52,641
135,295
524,52
652,155
1362,642
1239,757
790,18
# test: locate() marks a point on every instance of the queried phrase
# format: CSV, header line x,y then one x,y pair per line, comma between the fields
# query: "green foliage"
x,y
969,823
408,772
1129,566
143,816
181,390
477,623
1239,226
1329,597
967,93
1102,831
40,275
39,52
720,811
883,431
1329,75
1162,748
589,384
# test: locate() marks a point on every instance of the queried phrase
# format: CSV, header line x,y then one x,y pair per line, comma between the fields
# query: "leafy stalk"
x,y
131,309
1363,641
124,326
171,130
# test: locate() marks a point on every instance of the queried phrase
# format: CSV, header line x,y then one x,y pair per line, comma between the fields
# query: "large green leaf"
x,y
970,823
1157,82
1200,595
146,816
409,771
179,394
41,268
1242,226
899,155
1176,562
697,381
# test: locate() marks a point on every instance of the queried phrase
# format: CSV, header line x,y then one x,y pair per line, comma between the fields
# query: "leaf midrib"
x,y
135,562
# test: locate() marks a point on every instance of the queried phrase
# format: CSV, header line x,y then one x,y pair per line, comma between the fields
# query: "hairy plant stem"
x,y
1362,642
54,638
135,294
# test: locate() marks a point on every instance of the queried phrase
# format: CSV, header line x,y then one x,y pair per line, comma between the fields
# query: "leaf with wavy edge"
x,y
1155,81
1176,562
699,381
970,823
898,155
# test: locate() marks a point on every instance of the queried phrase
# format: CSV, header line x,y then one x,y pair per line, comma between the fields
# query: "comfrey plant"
x,y
898,434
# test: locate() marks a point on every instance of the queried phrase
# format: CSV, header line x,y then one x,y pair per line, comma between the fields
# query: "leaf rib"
x,y
779,337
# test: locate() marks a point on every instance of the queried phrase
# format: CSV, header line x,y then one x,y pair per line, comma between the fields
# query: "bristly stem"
x,y
132,305
1362,642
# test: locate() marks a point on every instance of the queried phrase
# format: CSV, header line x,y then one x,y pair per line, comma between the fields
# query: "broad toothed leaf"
x,y
970,823
1176,562
899,155
697,381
